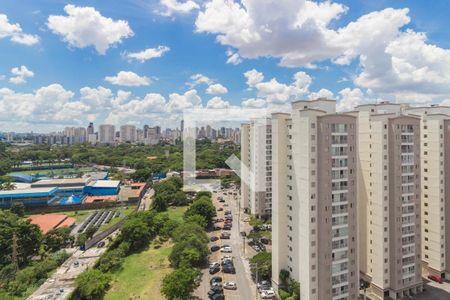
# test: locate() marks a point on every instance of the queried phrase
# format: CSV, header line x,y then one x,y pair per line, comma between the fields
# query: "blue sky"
x,y
54,68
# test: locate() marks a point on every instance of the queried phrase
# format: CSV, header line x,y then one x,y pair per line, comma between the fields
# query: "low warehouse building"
x,y
31,196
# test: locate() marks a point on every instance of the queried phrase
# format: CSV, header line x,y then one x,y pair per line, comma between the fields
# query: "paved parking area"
x,y
434,291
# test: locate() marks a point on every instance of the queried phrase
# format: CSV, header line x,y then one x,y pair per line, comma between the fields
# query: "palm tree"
x,y
7,186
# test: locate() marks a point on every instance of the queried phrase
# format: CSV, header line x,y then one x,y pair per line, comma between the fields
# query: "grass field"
x,y
142,273
176,213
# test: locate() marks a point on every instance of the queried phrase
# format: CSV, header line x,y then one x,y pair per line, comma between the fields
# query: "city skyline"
x,y
160,57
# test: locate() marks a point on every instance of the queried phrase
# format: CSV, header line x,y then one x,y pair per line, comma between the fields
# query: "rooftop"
x,y
92,199
105,183
65,181
51,221
30,192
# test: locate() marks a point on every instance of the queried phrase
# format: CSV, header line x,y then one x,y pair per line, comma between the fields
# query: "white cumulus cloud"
x,y
173,6
15,33
254,103
189,99
218,103
148,54
216,88
85,26
128,78
20,75
395,62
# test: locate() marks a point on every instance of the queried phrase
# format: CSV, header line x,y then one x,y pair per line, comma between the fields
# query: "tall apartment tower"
x,y
314,221
245,167
106,134
128,133
257,157
435,172
389,200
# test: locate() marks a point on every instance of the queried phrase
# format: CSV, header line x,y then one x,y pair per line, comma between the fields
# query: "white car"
x,y
230,285
214,264
268,294
227,257
226,249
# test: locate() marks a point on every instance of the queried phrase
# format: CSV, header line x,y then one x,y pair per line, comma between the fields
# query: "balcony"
x,y
337,221
339,128
339,279
339,139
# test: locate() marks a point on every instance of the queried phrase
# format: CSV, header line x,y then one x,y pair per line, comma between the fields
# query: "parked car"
x,y
214,291
243,233
435,278
217,227
215,248
101,244
265,241
214,269
225,204
268,294
214,238
226,249
213,264
230,285
226,258
215,279
263,283
225,235
256,248
229,268
227,227
219,296
220,209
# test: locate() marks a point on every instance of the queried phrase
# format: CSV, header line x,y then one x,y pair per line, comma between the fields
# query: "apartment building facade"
x,y
389,200
435,173
256,156
314,219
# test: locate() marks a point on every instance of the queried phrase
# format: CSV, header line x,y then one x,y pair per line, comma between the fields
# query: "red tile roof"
x,y
51,221
91,199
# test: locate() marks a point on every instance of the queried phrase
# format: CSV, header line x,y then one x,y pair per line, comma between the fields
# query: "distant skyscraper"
x,y
90,128
128,133
106,134
146,128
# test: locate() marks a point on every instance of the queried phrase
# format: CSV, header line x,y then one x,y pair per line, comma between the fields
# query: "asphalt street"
x,y
246,289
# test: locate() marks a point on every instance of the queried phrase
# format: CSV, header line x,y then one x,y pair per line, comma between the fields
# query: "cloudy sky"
x,y
144,61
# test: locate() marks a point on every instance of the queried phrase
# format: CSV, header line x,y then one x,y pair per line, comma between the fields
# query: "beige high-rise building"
x,y
256,156
245,167
435,173
106,134
128,133
314,216
389,200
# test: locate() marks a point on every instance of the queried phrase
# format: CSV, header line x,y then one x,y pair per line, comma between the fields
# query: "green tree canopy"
x,y
92,284
203,207
28,238
262,263
180,284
